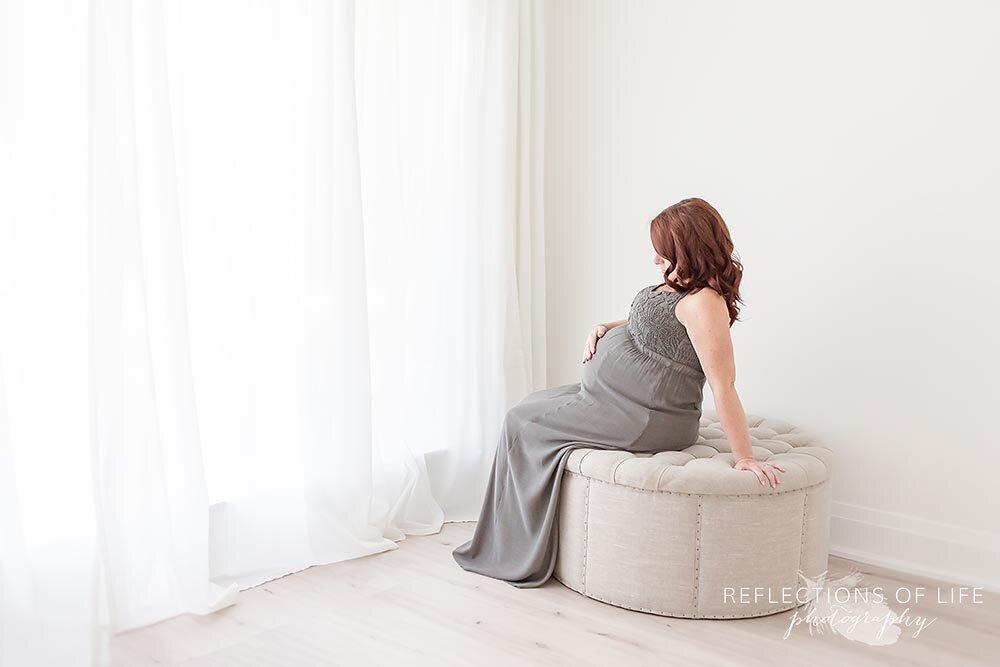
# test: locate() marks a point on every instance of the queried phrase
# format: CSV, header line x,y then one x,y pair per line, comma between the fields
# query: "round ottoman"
x,y
685,534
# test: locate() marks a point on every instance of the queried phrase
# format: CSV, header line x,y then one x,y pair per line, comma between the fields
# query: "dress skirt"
x,y
629,398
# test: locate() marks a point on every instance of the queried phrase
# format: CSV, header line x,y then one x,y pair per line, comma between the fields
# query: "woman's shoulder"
x,y
706,292
701,299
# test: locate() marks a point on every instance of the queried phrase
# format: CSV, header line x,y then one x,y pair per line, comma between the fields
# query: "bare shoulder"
x,y
703,304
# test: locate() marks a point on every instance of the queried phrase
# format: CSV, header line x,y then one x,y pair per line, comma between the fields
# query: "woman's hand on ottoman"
x,y
765,471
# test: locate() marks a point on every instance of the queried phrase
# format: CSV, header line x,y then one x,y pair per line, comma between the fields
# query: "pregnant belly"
x,y
619,371
624,381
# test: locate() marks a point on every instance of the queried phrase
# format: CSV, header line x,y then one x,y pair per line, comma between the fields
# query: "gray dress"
x,y
641,392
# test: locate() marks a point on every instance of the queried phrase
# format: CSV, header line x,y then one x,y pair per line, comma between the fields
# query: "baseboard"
x,y
953,554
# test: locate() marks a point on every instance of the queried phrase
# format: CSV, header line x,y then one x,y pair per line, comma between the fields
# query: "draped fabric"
x,y
270,276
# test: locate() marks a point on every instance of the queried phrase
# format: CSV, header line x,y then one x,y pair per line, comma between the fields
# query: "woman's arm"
x,y
705,315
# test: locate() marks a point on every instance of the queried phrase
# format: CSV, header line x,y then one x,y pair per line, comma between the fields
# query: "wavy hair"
x,y
695,239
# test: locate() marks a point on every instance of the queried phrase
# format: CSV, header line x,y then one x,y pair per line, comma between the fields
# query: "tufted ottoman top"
x,y
706,467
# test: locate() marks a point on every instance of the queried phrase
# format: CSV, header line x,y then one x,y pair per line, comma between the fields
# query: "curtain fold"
x,y
270,276
274,247
439,128
150,494
51,589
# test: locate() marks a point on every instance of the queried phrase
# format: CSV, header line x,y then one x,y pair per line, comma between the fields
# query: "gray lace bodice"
x,y
653,324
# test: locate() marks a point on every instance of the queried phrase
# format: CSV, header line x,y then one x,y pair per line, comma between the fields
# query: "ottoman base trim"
x,y
672,614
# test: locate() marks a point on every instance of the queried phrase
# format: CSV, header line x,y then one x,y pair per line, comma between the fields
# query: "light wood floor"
x,y
416,606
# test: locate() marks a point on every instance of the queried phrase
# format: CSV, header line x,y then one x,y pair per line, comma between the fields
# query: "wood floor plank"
x,y
415,606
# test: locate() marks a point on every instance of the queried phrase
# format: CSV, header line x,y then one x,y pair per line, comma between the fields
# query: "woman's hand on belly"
x,y
590,348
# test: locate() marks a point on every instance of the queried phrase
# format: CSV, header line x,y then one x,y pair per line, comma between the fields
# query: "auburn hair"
x,y
695,239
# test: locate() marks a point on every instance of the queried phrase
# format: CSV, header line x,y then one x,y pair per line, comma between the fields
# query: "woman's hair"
x,y
694,237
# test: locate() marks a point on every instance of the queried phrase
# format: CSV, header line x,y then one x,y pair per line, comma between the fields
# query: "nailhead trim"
x,y
586,535
672,614
644,455
697,495
802,531
697,557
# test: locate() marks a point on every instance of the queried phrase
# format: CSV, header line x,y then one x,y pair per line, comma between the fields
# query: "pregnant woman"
x,y
640,391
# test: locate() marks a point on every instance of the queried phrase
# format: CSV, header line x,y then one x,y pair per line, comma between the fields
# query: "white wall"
x,y
854,150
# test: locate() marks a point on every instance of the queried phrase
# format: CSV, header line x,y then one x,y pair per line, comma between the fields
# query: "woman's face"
x,y
661,263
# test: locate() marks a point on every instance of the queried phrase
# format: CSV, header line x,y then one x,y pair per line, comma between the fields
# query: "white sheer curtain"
x,y
270,275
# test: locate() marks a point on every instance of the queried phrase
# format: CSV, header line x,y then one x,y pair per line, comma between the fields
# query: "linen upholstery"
x,y
668,532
